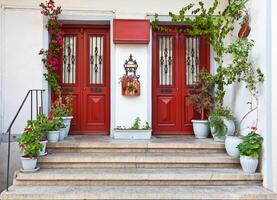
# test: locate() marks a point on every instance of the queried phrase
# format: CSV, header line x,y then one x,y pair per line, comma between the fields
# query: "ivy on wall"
x,y
51,56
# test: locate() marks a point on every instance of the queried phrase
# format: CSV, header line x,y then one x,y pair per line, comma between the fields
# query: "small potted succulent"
x,y
39,127
222,123
63,111
30,146
250,150
53,126
136,131
201,99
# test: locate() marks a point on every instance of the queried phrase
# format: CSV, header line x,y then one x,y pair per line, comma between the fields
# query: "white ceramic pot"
x,y
53,136
43,151
67,123
29,163
201,128
231,143
230,130
231,127
249,164
63,133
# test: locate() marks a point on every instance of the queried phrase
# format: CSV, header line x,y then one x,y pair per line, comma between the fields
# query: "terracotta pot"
x,y
244,31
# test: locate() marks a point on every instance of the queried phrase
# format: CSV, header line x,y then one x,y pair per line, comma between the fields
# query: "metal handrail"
x,y
37,91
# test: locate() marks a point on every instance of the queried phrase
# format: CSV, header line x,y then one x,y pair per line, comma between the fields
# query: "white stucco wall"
x,y
237,96
23,34
273,113
23,37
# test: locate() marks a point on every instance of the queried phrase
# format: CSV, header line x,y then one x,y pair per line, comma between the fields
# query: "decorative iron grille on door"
x,y
69,60
165,59
96,60
192,60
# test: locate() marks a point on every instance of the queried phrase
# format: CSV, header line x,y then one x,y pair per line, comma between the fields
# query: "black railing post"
x,y
10,126
41,102
8,164
37,103
31,105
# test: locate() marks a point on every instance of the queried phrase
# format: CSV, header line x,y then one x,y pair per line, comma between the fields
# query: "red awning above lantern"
x,y
131,31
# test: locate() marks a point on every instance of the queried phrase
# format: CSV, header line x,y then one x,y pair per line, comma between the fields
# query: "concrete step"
x,y
91,143
138,192
136,160
139,176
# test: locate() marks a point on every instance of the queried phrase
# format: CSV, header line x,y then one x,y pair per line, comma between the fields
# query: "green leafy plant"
x,y
216,26
216,120
136,126
251,145
52,55
53,123
29,143
60,109
38,126
200,95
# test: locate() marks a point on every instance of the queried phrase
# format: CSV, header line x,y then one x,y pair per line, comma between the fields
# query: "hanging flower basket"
x,y
130,88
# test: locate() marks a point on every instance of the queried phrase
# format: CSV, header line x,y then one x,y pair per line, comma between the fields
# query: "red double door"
x,y
85,73
177,62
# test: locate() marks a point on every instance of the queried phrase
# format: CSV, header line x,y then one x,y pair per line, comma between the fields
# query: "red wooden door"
x,y
177,61
85,72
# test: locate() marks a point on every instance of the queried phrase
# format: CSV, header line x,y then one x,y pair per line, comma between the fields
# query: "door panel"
x,y
177,62
96,87
84,73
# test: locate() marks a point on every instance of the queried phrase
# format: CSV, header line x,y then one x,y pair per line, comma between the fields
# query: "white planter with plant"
x,y
136,131
53,127
201,99
30,146
39,126
43,151
250,150
63,111
63,133
221,123
231,143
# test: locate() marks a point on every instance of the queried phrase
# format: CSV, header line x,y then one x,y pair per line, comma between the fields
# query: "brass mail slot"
x,y
166,91
68,90
96,89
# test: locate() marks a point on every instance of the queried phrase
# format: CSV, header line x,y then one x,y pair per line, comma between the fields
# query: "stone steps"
x,y
138,193
137,160
98,167
139,177
156,144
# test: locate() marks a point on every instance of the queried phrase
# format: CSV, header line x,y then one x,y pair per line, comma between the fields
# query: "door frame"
x,y
107,77
204,60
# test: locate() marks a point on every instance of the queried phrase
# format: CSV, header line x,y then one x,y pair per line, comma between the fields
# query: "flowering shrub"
x,y
53,123
251,144
29,143
61,109
51,57
38,126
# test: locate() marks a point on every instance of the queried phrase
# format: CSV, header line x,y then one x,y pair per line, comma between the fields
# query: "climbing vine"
x,y
216,25
51,56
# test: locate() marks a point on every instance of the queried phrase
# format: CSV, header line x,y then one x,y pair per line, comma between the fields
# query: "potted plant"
x,y
30,146
201,99
250,150
53,126
242,70
39,127
222,123
63,111
136,131
130,85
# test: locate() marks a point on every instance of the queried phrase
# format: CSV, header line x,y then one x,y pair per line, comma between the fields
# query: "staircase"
x,y
177,167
